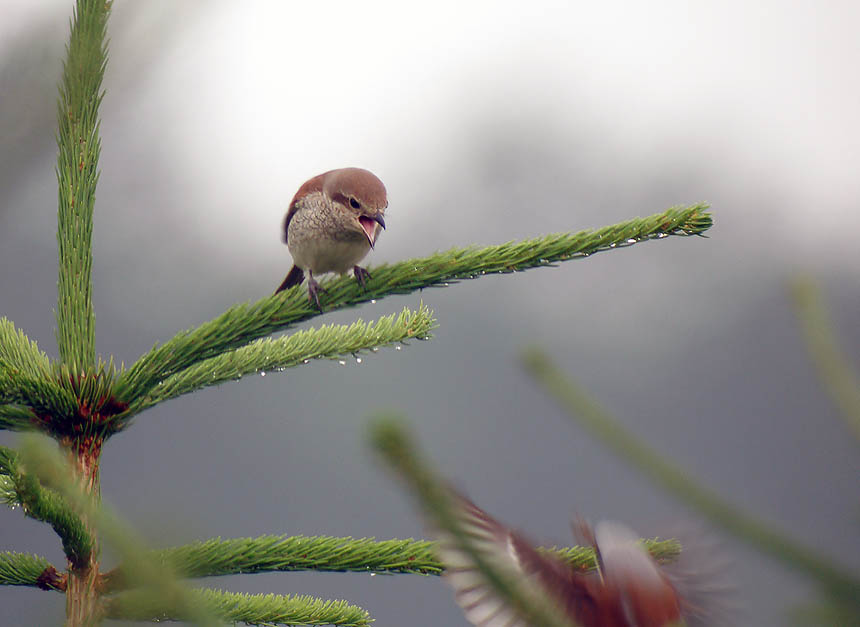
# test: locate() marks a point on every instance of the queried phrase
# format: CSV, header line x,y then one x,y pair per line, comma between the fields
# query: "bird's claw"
x,y
361,275
314,289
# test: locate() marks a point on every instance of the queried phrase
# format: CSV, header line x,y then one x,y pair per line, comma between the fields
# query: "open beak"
x,y
368,224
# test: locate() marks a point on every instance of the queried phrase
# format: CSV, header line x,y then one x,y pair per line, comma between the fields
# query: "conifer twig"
x,y
251,609
837,374
21,569
16,418
79,146
325,342
19,353
586,411
217,557
41,394
245,323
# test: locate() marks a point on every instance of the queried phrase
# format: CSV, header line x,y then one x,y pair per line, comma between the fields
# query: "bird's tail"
x,y
294,277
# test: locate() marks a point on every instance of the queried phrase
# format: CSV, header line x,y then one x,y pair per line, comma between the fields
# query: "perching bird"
x,y
333,221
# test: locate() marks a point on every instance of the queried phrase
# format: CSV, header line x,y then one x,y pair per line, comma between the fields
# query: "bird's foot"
x,y
314,289
361,275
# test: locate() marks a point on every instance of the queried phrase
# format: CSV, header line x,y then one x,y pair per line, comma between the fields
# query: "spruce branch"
x,y
18,487
840,378
251,609
326,342
22,569
216,557
247,322
78,143
839,583
42,395
16,418
20,353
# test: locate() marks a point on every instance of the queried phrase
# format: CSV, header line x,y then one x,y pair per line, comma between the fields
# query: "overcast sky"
x,y
487,122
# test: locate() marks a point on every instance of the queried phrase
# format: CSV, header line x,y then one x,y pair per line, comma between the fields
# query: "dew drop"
x,y
373,574
612,245
632,240
341,362
358,360
375,349
262,373
397,348
372,301
306,361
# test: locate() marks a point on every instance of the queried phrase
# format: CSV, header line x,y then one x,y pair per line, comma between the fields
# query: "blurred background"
x,y
487,121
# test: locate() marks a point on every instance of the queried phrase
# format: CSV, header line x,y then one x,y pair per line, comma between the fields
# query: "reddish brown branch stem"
x,y
83,606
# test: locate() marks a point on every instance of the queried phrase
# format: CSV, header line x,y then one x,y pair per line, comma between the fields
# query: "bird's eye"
x,y
354,203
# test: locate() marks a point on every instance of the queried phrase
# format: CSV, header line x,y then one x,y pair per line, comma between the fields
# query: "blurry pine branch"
x,y
80,400
841,586
531,604
840,378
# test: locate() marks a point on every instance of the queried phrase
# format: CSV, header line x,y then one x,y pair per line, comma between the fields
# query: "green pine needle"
x,y
21,569
42,394
245,323
78,143
266,355
217,557
20,353
252,609
26,379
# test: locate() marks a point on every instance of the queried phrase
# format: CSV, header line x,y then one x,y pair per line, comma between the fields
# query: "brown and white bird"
x,y
333,221
629,590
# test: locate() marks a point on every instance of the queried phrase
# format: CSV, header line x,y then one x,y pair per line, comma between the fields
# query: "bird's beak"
x,y
368,224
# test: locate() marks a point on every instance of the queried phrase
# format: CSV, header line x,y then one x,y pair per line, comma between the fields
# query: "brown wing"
x,y
311,185
580,597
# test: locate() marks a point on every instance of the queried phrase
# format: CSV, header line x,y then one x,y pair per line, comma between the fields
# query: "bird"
x,y
332,222
629,589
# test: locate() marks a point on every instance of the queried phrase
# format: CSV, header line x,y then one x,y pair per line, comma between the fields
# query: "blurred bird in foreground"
x,y
629,589
332,223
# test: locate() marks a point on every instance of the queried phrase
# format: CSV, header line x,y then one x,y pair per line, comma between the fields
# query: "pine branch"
x,y
42,395
80,95
16,418
326,342
245,323
18,487
19,353
217,557
840,378
22,569
838,582
252,609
